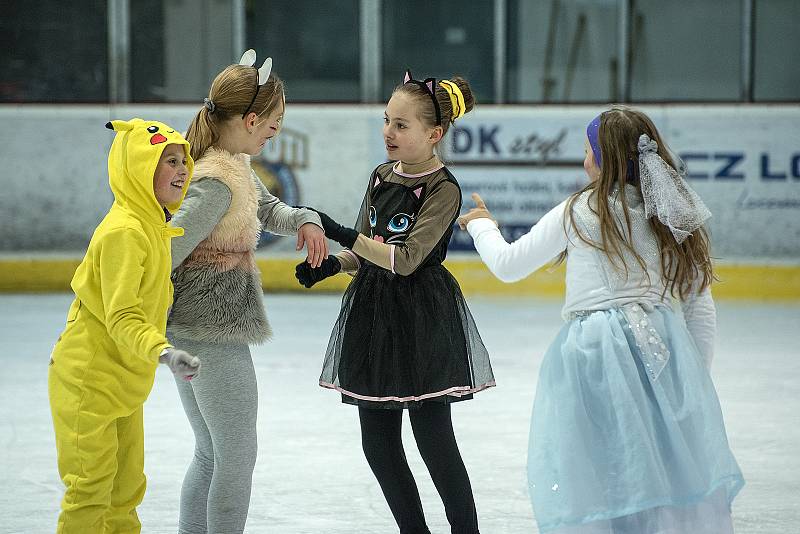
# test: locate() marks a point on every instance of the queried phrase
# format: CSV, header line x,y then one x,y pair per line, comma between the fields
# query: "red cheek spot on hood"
x,y
157,138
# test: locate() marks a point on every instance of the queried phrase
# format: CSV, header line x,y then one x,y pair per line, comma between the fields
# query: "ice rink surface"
x,y
311,476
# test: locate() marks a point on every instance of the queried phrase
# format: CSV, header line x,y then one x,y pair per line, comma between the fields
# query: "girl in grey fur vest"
x,y
218,309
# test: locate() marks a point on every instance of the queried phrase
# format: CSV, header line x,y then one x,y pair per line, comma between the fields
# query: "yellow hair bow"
x,y
456,99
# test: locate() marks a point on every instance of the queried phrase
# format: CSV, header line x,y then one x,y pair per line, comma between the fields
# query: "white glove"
x,y
180,362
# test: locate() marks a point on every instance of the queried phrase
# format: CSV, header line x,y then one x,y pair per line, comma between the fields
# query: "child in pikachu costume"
x,y
103,366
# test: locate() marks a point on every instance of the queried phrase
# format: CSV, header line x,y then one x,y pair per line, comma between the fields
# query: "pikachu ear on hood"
x,y
119,126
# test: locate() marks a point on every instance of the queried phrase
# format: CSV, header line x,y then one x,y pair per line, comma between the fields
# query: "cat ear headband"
x,y
453,91
428,86
248,59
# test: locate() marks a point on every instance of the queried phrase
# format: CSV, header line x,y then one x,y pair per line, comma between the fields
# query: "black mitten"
x,y
308,275
333,230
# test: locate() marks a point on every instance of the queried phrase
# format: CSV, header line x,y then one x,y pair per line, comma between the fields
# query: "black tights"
x,y
433,431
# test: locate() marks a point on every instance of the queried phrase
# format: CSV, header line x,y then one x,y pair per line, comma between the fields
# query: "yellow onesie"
x,y
103,365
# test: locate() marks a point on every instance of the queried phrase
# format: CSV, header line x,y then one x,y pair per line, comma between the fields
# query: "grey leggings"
x,y
221,404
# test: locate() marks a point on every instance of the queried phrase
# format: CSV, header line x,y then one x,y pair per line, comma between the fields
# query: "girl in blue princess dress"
x,y
627,433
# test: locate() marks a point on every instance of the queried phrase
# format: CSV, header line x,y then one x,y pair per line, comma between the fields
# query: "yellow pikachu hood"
x,y
132,163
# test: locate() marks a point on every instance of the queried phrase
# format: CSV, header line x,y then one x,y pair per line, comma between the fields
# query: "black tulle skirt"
x,y
403,340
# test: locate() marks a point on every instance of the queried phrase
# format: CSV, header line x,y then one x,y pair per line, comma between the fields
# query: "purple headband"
x,y
591,132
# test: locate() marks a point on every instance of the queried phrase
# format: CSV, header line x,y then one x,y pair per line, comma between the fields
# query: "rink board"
x,y
775,282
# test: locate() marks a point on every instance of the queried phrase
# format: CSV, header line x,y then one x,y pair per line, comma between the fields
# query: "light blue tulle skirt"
x,y
627,433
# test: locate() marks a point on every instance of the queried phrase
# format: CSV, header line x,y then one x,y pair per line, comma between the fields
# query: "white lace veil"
x,y
666,194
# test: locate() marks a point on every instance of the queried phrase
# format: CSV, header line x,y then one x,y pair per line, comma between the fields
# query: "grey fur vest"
x,y
218,295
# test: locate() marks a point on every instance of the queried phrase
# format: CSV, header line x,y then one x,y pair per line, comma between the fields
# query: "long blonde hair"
x,y
618,136
231,92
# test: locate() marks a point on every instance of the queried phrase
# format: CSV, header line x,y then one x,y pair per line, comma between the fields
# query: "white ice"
x,y
311,476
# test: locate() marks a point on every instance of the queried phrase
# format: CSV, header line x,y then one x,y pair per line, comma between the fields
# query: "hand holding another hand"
x,y
308,276
313,237
333,230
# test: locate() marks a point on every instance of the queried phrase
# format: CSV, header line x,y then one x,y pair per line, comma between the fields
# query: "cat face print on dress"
x,y
393,210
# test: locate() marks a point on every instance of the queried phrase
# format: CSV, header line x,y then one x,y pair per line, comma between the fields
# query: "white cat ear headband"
x,y
248,59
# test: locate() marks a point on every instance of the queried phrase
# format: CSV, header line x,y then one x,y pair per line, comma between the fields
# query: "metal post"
x,y
500,49
548,82
623,51
239,29
371,48
572,56
119,52
748,18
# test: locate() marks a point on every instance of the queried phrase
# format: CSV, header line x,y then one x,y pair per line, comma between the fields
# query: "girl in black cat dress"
x,y
405,337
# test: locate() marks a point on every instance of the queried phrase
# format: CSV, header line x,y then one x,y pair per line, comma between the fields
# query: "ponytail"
x,y
231,94
202,133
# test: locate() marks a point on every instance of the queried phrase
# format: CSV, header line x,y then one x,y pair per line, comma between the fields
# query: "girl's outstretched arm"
x,y
511,262
279,218
433,220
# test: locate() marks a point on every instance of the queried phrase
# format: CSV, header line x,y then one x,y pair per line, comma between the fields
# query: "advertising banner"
x,y
743,160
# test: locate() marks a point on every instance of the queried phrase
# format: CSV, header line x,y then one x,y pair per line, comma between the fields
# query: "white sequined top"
x,y
593,282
